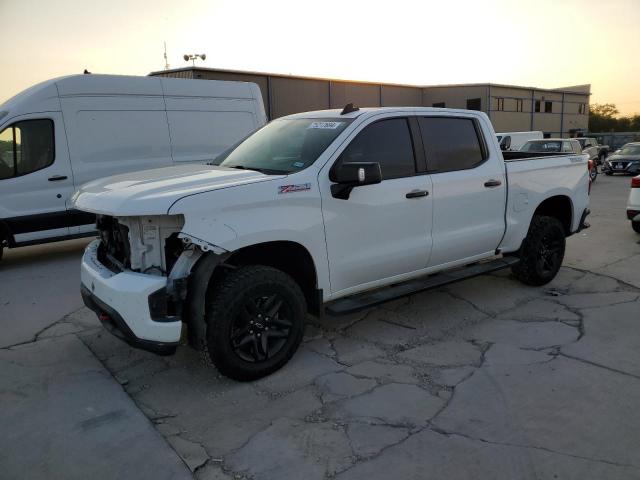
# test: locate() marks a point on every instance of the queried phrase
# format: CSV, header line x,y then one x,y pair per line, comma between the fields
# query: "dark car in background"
x,y
626,160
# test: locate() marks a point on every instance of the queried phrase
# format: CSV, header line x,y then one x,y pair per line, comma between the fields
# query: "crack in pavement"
x,y
442,431
589,362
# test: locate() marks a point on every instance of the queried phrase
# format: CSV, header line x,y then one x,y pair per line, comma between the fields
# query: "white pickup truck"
x,y
329,210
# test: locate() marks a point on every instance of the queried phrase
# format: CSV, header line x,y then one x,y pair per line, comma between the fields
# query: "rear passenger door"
x,y
383,230
469,190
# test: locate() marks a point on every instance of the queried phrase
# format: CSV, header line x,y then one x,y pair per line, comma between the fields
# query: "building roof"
x,y
576,89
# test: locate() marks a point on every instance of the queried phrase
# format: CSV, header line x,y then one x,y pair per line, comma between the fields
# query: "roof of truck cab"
x,y
369,111
538,140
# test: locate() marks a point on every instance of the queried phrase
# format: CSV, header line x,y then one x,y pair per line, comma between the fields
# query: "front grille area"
x,y
115,251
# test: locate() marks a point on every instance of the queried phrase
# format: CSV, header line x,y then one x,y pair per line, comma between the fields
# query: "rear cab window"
x,y
452,143
26,147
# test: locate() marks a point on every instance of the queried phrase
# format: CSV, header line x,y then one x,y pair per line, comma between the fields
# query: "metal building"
x,y
556,112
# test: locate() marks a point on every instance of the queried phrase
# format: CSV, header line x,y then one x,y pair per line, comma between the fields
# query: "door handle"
x,y
492,183
57,178
417,194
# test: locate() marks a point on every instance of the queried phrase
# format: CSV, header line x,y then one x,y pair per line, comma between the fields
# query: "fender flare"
x,y
195,303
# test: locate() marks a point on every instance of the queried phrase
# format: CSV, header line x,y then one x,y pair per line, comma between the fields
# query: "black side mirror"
x,y
353,174
505,144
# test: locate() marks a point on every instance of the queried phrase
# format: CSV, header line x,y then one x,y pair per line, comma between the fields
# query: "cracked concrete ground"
x,y
486,378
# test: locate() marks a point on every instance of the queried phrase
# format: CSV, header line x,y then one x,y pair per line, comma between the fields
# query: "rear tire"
x,y
635,226
608,173
542,251
255,322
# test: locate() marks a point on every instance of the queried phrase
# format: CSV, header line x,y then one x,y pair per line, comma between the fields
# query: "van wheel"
x,y
255,322
542,251
634,225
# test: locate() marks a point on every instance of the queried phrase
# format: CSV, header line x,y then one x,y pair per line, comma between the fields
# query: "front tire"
x,y
635,226
542,251
608,173
255,322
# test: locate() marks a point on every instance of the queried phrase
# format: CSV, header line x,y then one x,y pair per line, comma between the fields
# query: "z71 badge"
x,y
294,188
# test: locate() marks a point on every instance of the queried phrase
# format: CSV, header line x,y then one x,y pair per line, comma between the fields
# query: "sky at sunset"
x,y
541,43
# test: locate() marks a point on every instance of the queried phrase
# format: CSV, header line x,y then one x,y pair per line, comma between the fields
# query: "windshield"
x,y
630,150
542,146
284,146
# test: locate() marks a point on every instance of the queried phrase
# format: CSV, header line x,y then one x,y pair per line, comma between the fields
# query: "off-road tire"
x,y
226,307
538,266
635,226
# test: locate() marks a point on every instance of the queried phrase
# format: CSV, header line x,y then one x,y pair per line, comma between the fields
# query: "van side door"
x,y
469,189
36,181
382,230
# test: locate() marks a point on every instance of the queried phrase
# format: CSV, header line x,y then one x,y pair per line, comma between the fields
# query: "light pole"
x,y
192,57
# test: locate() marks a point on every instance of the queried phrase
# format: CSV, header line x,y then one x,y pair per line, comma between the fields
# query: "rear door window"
x,y
387,142
451,143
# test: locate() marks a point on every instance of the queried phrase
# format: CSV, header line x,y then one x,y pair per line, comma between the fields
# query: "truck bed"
x,y
532,177
511,156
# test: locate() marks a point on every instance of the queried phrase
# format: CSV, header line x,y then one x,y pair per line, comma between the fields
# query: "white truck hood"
x,y
152,192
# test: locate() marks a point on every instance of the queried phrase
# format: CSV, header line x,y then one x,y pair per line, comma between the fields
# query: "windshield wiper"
x,y
266,171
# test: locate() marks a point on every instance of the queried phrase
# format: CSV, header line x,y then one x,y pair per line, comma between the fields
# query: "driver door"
x,y
382,230
35,178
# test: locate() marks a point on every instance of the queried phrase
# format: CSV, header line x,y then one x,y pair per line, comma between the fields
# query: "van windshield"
x,y
284,146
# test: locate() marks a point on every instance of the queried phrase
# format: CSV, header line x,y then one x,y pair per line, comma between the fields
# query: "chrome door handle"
x,y
492,183
417,194
57,178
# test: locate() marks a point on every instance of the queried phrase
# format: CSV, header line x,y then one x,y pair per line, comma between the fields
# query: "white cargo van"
x,y
515,140
64,132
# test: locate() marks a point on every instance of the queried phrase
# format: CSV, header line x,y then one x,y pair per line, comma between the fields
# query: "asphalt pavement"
x,y
486,378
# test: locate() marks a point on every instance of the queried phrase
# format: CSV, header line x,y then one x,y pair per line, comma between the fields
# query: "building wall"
x,y
509,108
455,96
360,94
509,115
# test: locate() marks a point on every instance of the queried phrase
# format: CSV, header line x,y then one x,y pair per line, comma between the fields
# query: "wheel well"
x,y
559,207
290,257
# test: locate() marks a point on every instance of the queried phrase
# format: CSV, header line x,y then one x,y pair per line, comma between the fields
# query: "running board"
x,y
361,301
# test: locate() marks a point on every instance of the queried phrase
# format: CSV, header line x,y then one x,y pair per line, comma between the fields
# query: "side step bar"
x,y
361,301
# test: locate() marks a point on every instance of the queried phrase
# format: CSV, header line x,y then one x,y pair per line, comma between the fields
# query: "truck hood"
x,y
152,192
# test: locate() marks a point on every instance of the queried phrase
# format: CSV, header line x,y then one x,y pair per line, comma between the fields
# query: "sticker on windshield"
x,y
294,188
325,125
298,164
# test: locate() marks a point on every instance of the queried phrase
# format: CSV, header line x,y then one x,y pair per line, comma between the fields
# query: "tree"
x,y
602,117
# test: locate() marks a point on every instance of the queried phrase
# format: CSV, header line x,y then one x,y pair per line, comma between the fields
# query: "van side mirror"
x,y
349,175
505,144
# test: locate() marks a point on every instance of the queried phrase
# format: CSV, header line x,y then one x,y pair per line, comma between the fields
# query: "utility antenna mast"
x,y
166,61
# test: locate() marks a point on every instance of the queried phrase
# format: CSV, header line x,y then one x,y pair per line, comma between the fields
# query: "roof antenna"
x,y
348,108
